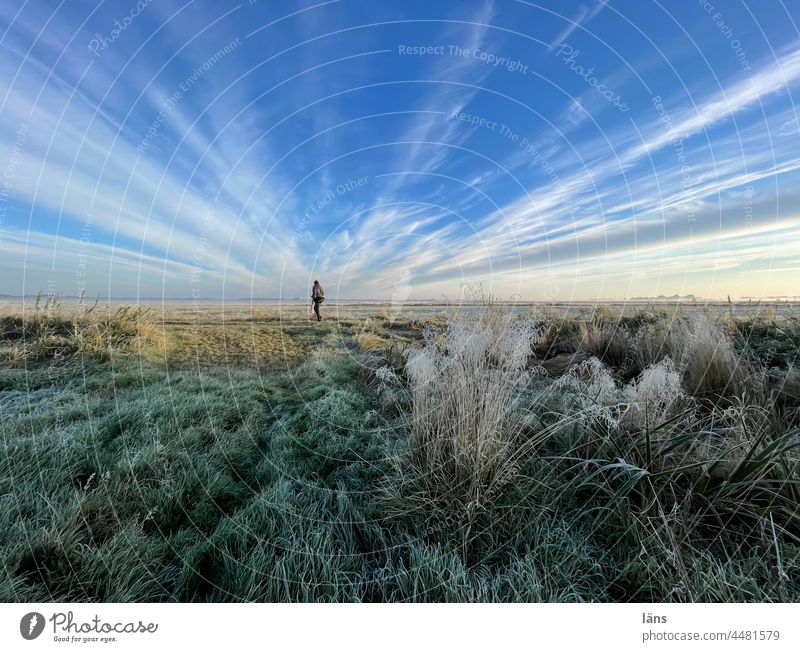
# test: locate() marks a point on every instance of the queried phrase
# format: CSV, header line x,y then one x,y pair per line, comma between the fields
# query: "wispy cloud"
x,y
248,160
583,16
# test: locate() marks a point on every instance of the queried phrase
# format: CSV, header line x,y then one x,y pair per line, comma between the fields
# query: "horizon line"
x,y
692,299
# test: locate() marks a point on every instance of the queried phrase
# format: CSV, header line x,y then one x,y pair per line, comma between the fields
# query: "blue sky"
x,y
551,150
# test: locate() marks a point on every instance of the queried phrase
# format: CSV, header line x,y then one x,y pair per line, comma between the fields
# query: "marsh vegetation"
x,y
461,455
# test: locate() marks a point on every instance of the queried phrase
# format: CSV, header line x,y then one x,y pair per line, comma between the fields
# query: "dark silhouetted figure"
x,y
317,296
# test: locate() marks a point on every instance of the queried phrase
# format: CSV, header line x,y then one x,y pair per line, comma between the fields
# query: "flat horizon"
x,y
427,301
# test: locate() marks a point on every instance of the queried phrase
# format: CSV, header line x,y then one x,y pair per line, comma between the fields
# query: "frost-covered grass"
x,y
489,456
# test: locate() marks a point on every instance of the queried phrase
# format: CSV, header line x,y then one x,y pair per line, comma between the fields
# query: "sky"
x,y
553,150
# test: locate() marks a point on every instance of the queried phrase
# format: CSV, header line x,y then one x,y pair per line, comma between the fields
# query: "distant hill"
x,y
662,297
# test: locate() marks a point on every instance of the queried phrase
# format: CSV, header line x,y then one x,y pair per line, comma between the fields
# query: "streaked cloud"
x,y
561,191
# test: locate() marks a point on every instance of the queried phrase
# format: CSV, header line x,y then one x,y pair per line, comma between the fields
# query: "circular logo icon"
x,y
31,625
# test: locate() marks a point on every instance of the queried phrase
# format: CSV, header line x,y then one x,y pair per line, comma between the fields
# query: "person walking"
x,y
317,297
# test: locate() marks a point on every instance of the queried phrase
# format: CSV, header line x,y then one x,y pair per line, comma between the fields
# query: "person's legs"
x,y
316,310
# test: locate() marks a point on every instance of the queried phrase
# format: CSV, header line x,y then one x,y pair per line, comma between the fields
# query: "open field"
x,y
400,453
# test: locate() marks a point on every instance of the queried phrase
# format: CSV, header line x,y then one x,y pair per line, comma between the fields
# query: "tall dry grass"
x,y
701,350
50,332
467,431
464,433
672,445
